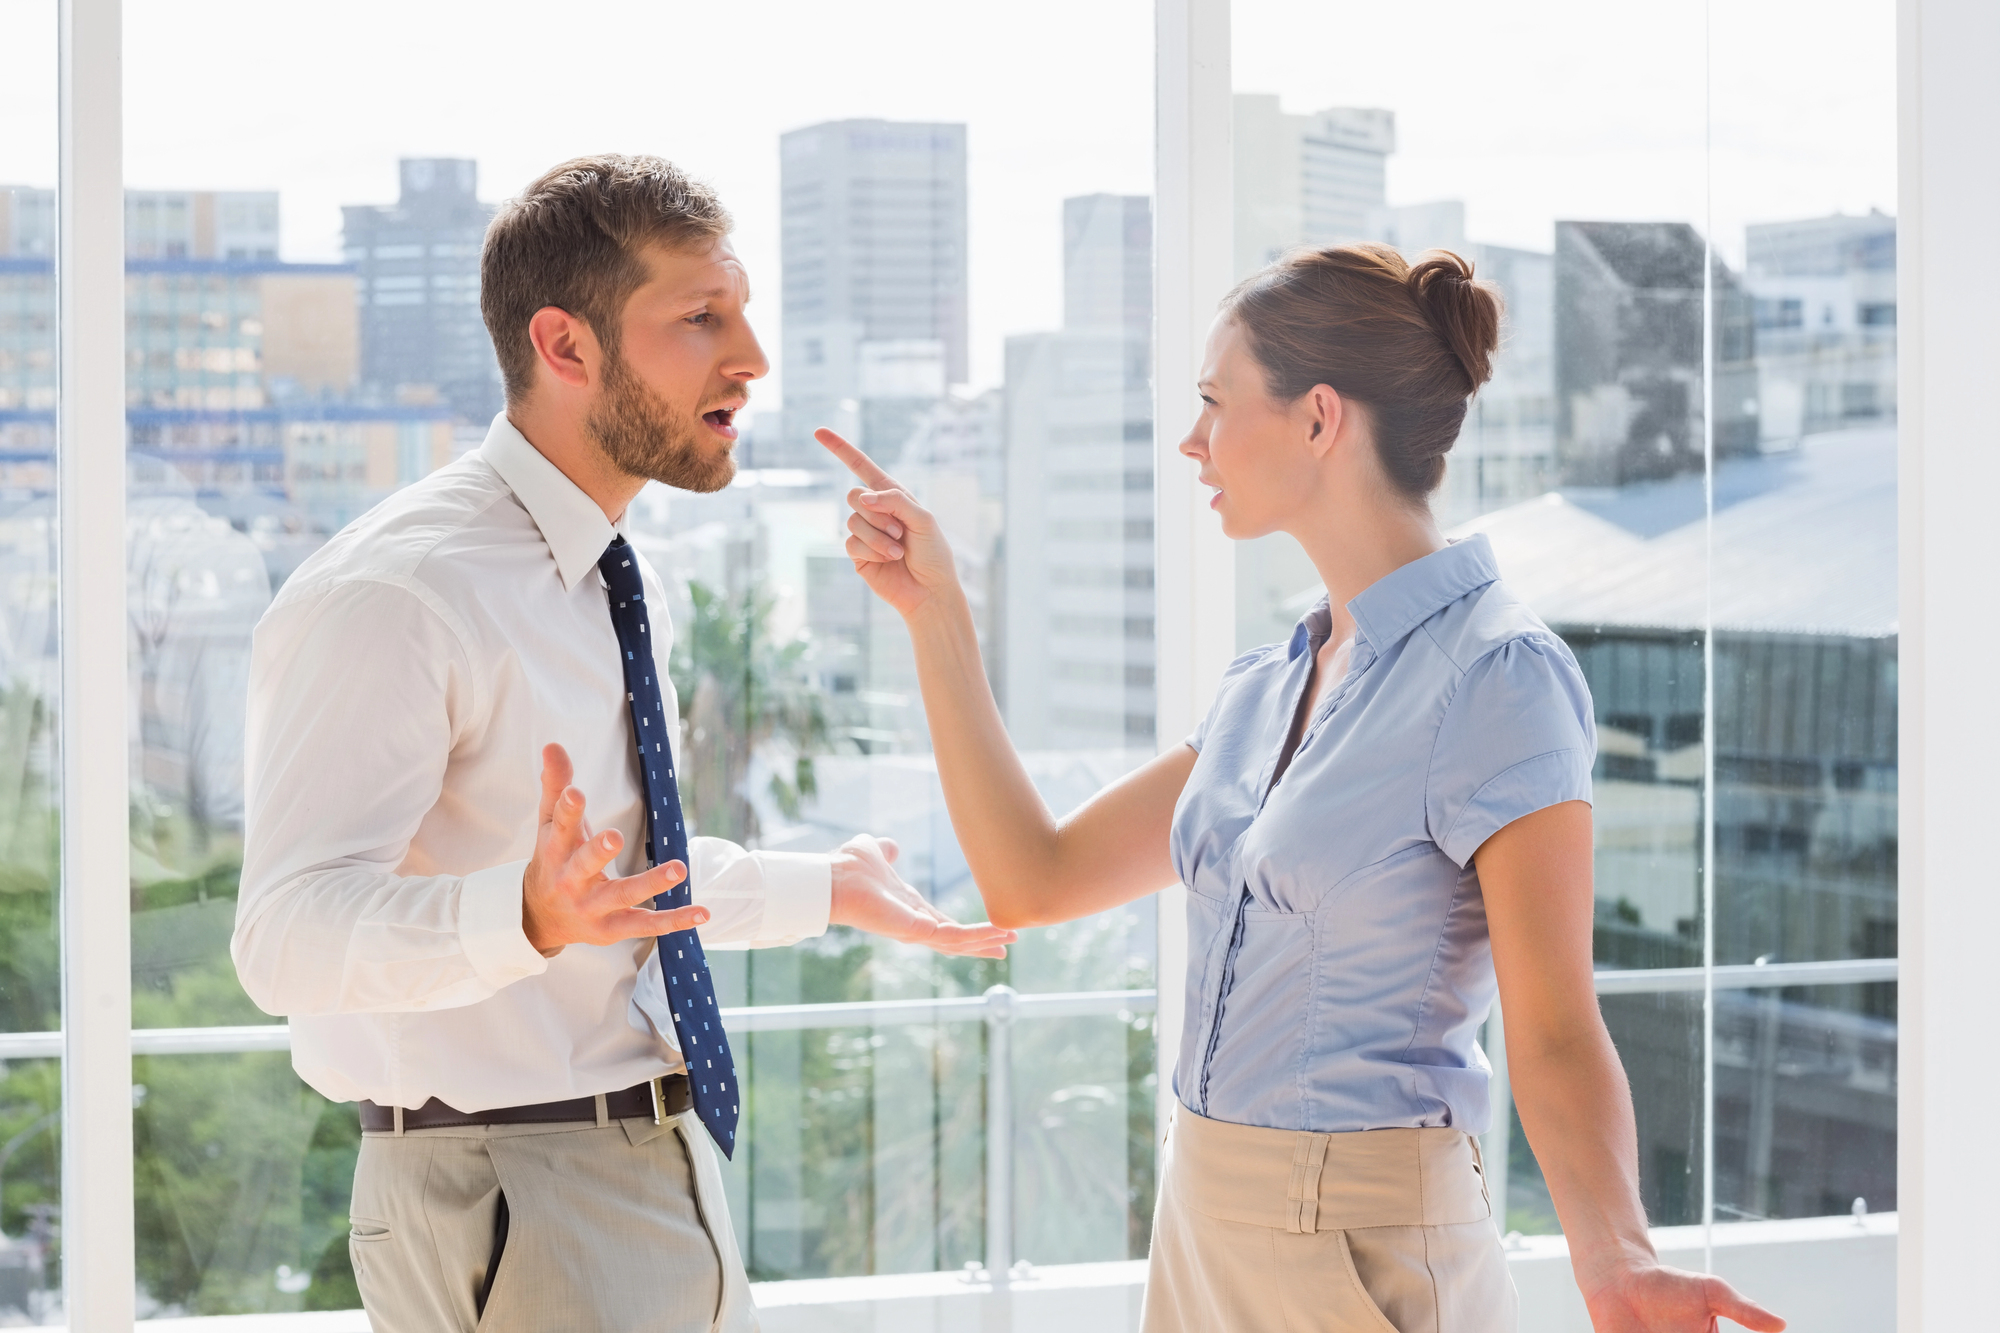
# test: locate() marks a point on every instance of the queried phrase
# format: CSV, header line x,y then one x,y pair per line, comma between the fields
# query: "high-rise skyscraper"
x,y
1078,563
417,261
1306,180
874,288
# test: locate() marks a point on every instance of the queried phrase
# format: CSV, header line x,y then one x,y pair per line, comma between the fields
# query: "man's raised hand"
x,y
566,898
895,543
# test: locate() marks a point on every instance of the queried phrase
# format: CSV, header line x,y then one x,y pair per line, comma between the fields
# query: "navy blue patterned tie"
x,y
697,1021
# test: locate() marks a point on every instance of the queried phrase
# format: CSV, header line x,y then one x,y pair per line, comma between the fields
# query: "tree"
x,y
743,695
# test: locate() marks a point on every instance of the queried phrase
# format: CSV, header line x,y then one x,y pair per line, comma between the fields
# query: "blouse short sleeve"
x,y
1230,675
1517,737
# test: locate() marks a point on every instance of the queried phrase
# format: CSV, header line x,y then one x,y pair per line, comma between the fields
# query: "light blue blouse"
x,y
1338,961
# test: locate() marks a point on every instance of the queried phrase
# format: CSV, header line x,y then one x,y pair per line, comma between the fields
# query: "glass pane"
x,y
1581,460
1659,1040
1805,1101
30,995
1805,523
957,278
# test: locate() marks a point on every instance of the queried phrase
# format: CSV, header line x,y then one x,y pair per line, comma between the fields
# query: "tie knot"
x,y
620,567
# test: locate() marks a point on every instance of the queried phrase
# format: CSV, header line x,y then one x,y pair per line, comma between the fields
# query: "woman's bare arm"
x,y
1031,868
1570,1087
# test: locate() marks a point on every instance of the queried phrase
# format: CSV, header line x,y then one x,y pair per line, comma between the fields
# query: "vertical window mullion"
x,y
1195,589
98,1260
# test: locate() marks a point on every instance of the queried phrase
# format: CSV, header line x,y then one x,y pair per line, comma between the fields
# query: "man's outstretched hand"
x,y
869,895
566,898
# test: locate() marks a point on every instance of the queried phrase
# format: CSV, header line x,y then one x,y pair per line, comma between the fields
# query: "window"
x,y
30,700
1741,653
299,342
960,281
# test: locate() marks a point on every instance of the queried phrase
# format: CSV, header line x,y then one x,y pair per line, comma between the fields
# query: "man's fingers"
x,y
644,887
567,820
556,774
634,923
851,458
890,851
587,862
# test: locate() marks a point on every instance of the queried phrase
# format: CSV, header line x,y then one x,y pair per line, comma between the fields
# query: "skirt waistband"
x,y
1300,1182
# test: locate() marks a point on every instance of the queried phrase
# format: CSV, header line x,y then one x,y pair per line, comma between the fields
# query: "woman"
x,y
1374,819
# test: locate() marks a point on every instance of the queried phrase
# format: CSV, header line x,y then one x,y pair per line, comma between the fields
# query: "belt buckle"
x,y
654,1086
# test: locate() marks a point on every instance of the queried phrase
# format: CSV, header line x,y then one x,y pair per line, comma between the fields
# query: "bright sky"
x,y
1529,111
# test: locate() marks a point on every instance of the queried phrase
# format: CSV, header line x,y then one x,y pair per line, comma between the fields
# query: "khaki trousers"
x,y
1273,1231
611,1227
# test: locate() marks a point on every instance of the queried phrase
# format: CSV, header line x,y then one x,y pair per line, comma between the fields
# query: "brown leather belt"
x,y
658,1098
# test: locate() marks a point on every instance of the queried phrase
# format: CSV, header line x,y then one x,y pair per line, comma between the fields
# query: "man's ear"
x,y
565,346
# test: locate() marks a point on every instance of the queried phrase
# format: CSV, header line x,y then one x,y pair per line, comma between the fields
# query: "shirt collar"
x,y
571,522
1405,598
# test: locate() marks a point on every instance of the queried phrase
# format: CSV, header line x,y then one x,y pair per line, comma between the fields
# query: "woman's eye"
x,y
703,318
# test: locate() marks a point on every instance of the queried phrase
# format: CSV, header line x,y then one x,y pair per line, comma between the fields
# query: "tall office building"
x,y
1628,340
874,289
201,224
1306,180
417,261
1078,565
1825,293
240,367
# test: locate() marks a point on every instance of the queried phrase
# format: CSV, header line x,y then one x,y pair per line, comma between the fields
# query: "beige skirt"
x,y
1387,1231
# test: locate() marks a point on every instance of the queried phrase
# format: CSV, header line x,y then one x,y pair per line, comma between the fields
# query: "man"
x,y
474,962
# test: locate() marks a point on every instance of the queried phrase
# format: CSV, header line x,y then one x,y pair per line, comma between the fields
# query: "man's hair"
x,y
572,240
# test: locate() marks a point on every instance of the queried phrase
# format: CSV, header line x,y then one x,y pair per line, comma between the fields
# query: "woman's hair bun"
x,y
1464,310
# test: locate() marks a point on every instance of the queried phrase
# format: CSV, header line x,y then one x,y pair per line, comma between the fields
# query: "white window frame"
x,y
1948,339
1949,118
99,1259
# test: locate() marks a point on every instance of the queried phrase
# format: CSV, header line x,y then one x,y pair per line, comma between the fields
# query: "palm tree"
x,y
742,694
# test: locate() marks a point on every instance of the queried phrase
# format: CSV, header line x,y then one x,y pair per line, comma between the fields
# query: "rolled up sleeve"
x,y
1517,737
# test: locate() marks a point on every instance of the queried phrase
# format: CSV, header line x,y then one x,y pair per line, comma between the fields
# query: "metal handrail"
x,y
998,1008
972,1008
1747,976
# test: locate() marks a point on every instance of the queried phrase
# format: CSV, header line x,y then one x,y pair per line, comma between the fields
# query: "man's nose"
x,y
749,363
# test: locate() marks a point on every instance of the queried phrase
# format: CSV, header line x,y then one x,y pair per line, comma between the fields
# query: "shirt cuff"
x,y
798,896
489,926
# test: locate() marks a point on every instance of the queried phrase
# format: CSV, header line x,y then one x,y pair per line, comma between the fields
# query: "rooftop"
x,y
1804,541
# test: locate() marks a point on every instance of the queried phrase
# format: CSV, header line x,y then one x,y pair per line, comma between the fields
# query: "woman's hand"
x,y
1653,1298
896,545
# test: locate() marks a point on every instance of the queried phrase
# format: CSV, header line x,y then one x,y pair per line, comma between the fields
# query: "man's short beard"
x,y
645,436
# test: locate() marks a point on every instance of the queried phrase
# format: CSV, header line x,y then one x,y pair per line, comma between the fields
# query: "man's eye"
x,y
703,318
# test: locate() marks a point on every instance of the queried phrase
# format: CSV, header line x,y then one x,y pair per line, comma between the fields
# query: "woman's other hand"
x,y
1652,1298
895,543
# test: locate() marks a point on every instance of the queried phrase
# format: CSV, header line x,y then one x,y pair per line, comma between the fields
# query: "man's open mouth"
x,y
722,420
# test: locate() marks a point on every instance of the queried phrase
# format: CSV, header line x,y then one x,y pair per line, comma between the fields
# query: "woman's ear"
x,y
1326,411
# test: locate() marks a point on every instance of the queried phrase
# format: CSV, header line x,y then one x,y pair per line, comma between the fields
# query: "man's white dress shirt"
x,y
402,686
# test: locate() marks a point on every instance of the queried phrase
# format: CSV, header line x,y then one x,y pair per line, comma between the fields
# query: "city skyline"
x,y
1482,132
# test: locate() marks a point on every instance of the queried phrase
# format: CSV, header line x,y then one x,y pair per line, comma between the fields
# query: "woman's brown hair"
x,y
1411,344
